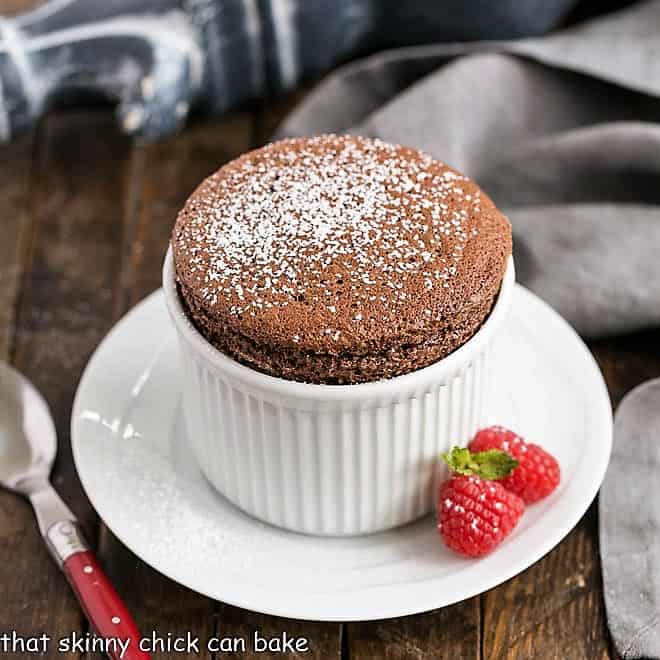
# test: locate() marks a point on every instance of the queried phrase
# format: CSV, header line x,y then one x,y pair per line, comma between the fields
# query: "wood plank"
x,y
553,610
14,205
451,632
162,177
15,515
628,361
64,310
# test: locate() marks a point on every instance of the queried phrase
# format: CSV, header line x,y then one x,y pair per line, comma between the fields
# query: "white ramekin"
x,y
330,459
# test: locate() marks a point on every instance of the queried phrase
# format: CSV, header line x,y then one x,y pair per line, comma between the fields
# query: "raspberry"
x,y
475,515
537,474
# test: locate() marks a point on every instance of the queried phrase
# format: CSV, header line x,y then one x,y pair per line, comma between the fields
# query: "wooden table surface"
x,y
86,215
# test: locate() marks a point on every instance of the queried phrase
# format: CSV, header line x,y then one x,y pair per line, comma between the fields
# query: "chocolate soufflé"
x,y
338,259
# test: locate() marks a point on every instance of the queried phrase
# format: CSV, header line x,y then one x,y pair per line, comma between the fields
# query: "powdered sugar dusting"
x,y
296,221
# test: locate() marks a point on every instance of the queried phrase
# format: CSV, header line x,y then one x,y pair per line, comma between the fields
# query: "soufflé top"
x,y
338,259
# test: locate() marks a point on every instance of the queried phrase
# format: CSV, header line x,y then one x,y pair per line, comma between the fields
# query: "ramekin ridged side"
x,y
330,459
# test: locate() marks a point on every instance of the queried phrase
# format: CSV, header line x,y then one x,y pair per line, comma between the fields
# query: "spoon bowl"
x,y
28,442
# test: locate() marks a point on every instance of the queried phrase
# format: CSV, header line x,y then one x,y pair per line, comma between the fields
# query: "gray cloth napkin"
x,y
564,133
629,525
561,131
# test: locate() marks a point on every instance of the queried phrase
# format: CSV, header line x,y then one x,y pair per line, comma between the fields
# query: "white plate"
x,y
131,452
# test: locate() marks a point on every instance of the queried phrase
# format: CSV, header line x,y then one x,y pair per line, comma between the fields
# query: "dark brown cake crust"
x,y
338,259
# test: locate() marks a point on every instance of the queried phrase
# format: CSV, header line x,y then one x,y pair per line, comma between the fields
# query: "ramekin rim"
x,y
436,372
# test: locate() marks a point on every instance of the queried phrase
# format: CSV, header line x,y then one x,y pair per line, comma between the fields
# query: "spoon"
x,y
28,444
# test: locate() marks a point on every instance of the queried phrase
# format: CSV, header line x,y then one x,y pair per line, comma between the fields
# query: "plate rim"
x,y
598,464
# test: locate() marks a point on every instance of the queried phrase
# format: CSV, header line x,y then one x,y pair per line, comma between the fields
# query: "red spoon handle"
x,y
102,605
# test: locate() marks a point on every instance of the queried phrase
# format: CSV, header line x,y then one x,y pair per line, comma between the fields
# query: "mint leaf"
x,y
492,464
459,460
